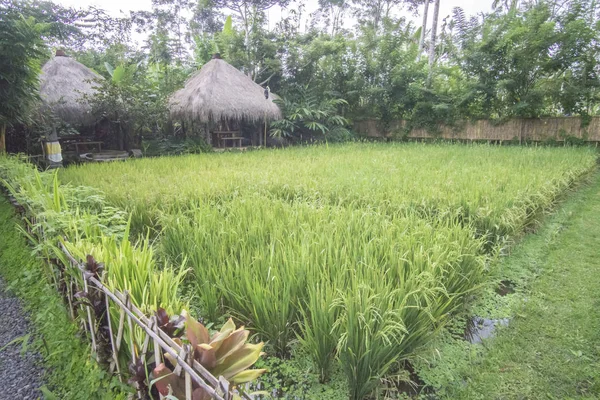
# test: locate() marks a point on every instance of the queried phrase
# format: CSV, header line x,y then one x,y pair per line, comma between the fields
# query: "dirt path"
x,y
552,348
20,367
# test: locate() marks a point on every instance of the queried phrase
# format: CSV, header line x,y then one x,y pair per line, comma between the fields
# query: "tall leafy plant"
x,y
22,49
307,116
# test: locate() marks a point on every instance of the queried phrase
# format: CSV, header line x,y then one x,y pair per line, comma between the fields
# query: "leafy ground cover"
x,y
357,253
71,373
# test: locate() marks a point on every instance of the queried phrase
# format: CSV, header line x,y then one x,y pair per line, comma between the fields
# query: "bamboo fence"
x,y
558,129
155,342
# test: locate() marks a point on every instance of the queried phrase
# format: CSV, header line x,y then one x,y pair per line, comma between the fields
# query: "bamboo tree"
x,y
3,139
423,27
436,15
22,47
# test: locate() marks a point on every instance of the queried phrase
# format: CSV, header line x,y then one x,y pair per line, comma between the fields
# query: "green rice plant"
x,y
317,326
56,211
275,265
490,187
359,252
133,268
78,218
372,333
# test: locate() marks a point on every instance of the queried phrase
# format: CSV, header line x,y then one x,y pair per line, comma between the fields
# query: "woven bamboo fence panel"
x,y
155,342
556,129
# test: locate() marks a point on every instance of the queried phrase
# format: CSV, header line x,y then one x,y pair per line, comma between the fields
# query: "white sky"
x,y
122,8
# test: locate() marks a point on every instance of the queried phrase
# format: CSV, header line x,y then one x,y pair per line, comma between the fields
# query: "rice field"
x,y
356,253
498,189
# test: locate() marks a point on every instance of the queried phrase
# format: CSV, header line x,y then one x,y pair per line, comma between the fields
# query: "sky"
x,y
121,8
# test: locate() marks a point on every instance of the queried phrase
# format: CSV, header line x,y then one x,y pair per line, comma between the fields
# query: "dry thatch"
x,y
220,92
63,82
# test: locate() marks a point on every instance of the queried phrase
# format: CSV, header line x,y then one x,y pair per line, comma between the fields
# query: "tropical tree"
x,y
307,117
22,50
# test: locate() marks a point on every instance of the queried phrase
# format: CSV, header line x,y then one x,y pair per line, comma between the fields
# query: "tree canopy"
x,y
522,59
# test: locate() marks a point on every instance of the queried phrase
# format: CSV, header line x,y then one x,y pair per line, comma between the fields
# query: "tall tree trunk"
x,y
436,15
2,139
423,28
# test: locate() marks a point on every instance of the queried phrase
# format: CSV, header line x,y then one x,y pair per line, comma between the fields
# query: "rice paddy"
x,y
356,253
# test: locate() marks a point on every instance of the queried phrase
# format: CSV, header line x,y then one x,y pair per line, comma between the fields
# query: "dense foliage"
x,y
22,48
522,59
71,371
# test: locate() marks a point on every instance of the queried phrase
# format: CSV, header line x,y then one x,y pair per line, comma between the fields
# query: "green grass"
x,y
71,373
551,350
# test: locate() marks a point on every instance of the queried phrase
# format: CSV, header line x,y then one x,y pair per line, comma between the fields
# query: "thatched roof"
x,y
219,91
63,82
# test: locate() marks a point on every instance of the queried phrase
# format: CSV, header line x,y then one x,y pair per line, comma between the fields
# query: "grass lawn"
x,y
552,348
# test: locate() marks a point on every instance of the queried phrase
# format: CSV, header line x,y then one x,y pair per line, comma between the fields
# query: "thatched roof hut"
x,y
63,82
220,92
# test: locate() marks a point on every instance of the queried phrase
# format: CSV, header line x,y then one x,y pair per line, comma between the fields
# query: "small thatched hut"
x,y
63,82
223,99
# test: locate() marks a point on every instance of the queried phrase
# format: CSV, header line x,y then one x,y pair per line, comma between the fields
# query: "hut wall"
x,y
530,130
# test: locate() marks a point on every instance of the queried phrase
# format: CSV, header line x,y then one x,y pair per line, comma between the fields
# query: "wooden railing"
x,y
195,374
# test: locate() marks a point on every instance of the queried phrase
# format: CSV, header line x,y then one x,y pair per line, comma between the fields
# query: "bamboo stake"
x,y
70,300
157,352
92,325
188,378
164,341
112,340
130,325
131,338
120,329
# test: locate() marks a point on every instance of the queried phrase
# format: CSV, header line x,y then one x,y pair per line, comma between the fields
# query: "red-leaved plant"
x,y
225,353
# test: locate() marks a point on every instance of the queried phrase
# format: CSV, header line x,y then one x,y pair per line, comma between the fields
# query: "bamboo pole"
x,y
90,321
2,139
120,329
188,379
112,340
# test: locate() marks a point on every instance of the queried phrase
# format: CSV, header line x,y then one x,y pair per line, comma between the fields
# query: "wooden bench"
x,y
233,140
77,144
232,137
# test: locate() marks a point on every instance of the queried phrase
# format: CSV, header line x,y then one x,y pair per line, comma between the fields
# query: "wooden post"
x,y
2,139
112,340
521,132
265,128
90,320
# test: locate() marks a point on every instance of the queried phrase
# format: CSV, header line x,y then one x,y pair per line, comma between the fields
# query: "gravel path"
x,y
21,376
